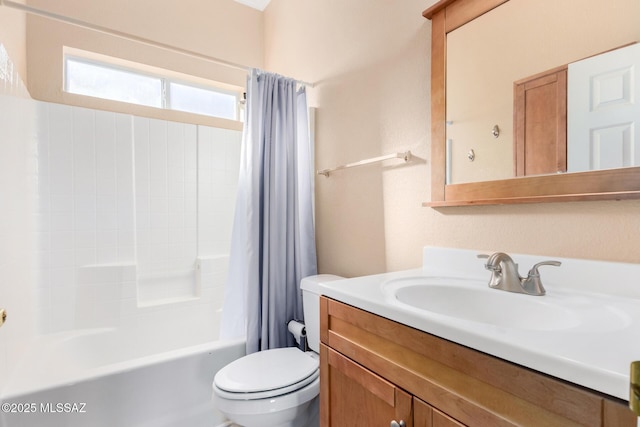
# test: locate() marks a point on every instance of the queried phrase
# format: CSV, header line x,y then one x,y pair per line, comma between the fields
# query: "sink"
x,y
472,300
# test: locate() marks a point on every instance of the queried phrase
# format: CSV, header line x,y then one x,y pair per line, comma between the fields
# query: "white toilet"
x,y
279,387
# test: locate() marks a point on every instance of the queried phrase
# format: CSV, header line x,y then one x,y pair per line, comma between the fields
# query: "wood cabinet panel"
x,y
422,414
618,414
438,107
355,396
426,416
540,123
441,420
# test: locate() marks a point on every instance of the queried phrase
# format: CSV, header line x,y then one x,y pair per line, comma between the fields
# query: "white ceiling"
x,y
256,4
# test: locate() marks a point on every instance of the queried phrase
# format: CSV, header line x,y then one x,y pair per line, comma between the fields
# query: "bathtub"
x,y
104,377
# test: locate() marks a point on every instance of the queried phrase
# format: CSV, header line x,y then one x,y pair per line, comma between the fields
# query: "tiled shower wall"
x,y
17,133
85,214
166,183
133,217
10,81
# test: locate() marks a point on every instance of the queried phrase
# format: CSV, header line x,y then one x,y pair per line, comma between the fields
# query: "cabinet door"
x,y
441,420
616,414
351,395
424,415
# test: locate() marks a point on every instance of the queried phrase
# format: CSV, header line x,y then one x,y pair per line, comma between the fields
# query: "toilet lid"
x,y
266,370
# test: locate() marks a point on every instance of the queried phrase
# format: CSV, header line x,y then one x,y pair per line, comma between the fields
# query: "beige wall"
x,y
371,61
222,29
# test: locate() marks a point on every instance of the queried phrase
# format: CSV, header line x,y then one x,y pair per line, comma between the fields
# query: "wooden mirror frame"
x,y
611,184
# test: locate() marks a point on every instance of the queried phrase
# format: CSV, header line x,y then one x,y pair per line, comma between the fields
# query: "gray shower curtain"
x,y
273,240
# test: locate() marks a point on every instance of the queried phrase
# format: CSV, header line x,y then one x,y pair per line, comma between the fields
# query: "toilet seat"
x,y
266,374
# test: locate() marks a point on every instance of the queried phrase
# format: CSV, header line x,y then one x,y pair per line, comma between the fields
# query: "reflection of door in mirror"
x,y
540,123
604,126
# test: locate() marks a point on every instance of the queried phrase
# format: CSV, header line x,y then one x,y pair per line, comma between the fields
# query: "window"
x,y
200,100
100,81
108,81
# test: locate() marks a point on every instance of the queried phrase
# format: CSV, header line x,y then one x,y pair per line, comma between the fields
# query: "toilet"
x,y
278,387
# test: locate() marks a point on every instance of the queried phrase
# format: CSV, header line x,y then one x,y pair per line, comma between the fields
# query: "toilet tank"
x,y
310,287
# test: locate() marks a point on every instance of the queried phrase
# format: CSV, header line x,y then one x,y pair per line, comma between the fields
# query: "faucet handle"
x,y
482,256
532,284
534,270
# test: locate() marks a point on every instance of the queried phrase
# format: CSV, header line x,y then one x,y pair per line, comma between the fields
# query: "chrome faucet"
x,y
505,275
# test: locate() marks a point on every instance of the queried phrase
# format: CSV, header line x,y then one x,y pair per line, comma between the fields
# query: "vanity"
x,y
437,347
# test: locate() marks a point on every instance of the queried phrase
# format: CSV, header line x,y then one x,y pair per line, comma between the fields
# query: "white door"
x,y
603,121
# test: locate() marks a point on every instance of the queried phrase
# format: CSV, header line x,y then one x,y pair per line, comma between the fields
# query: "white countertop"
x,y
595,354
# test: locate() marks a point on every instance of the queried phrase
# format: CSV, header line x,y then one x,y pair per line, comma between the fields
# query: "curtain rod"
x,y
98,28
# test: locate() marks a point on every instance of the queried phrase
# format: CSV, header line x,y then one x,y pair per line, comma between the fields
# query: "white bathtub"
x,y
107,377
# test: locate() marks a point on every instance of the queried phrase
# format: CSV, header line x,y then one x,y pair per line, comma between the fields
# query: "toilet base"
x,y
305,415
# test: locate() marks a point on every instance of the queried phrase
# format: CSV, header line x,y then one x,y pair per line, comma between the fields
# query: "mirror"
x,y
533,47
574,30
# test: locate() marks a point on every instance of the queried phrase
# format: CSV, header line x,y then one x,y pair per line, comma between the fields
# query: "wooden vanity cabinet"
x,y
374,371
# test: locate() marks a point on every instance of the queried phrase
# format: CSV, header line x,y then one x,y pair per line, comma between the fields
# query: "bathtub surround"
x,y
16,232
71,274
13,26
17,127
119,200
273,243
85,237
85,323
166,208
10,81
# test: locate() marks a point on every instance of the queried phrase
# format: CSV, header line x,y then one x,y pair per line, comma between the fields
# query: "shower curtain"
x,y
273,238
